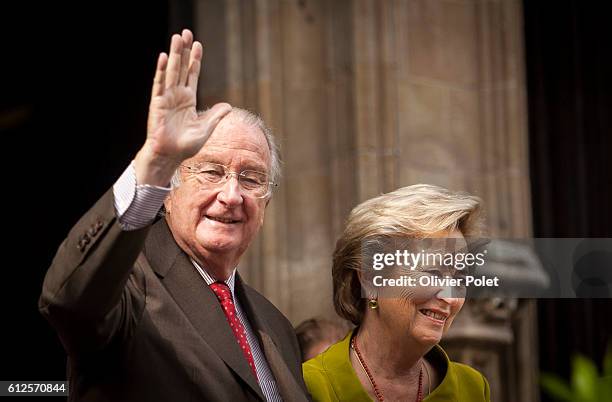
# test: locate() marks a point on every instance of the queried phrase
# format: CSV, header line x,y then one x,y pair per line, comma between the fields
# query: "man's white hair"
x,y
254,120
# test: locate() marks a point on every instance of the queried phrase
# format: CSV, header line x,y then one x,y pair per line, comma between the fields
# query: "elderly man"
x,y
155,311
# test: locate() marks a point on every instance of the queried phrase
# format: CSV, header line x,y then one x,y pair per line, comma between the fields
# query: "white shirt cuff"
x,y
136,205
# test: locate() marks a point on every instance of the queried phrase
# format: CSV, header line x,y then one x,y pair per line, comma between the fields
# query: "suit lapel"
x,y
262,323
198,302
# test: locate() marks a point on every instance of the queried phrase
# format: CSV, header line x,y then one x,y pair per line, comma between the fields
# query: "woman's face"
x,y
425,313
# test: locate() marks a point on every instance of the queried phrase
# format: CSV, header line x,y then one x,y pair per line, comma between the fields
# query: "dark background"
x,y
569,83
73,102
75,90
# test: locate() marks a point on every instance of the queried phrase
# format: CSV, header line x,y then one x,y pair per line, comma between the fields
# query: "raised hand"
x,y
175,132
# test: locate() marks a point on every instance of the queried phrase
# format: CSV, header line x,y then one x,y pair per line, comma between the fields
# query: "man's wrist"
x,y
152,169
136,205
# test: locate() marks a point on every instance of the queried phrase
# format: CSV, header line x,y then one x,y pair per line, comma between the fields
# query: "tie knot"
x,y
221,290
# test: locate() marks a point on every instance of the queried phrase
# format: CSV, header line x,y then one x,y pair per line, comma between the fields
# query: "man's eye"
x,y
211,174
211,171
249,183
252,178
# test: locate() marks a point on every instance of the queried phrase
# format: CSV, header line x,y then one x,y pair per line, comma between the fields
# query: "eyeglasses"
x,y
252,183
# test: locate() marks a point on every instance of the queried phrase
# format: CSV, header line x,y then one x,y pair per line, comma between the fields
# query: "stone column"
x,y
271,59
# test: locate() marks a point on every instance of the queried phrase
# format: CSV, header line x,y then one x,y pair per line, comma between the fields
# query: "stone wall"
x,y
366,96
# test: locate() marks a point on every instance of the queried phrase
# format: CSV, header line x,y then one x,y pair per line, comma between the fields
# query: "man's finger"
x,y
160,75
187,37
194,66
174,61
214,115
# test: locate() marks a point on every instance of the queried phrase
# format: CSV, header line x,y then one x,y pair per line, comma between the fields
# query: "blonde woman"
x,y
393,354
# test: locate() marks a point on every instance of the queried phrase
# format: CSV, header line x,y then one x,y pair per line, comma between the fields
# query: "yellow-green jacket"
x,y
330,377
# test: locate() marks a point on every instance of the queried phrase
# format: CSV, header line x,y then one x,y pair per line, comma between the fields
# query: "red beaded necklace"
x,y
377,391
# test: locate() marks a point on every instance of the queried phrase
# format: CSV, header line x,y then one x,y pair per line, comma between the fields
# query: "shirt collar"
x,y
230,282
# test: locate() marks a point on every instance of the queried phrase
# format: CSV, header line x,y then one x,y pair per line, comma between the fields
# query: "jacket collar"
x,y
263,321
190,292
197,300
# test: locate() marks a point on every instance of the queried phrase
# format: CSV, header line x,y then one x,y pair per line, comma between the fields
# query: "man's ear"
x,y
167,203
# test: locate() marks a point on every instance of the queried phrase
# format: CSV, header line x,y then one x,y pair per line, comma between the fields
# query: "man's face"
x,y
218,221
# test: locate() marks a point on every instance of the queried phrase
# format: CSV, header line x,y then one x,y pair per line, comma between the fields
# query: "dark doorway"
x,y
75,92
570,124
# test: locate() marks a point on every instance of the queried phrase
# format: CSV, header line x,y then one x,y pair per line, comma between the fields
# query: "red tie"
x,y
225,298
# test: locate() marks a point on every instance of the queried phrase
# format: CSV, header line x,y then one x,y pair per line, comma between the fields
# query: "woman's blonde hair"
x,y
414,212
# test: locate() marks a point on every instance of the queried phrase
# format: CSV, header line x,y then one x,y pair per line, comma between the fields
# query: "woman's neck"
x,y
389,354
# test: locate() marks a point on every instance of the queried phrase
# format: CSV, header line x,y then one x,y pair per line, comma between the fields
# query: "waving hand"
x,y
175,132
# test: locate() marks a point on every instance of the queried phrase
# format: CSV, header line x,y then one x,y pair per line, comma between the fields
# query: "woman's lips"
x,y
438,317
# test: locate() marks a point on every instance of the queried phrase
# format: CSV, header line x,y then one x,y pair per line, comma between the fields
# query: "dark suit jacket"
x,y
139,323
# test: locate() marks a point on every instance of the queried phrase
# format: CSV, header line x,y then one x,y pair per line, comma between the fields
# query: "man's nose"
x,y
230,193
